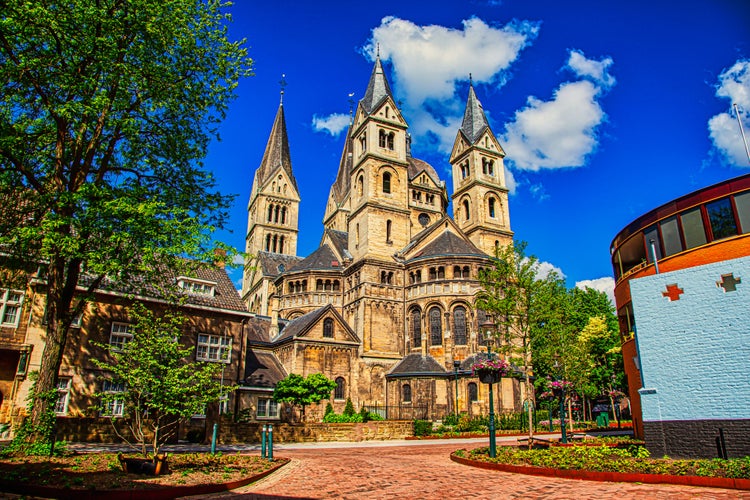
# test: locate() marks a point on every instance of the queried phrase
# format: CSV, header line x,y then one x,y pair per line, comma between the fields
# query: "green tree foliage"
x,y
162,385
303,391
108,108
348,408
516,297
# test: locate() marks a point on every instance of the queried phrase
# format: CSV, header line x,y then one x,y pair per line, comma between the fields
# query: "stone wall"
x,y
100,430
235,433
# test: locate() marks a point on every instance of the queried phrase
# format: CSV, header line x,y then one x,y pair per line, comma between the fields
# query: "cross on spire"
x,y
282,84
729,282
673,292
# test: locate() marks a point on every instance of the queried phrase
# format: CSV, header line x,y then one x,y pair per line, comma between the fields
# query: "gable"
x,y
312,326
281,185
460,147
489,142
388,112
442,238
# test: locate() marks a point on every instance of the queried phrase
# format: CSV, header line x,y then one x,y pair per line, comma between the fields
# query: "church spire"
x,y
475,120
377,88
277,154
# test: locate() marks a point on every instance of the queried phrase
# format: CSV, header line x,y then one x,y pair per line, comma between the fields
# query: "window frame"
x,y
268,405
126,335
203,349
6,304
339,392
63,394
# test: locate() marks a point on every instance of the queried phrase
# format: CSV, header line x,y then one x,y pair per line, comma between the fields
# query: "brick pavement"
x,y
426,472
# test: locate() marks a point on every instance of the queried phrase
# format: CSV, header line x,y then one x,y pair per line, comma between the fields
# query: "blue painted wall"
x,y
694,351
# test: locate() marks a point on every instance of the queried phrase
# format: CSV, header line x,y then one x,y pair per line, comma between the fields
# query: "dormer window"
x,y
195,286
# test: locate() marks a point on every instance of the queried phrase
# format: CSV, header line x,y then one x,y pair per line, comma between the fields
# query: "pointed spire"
x,y
475,120
283,85
377,88
277,154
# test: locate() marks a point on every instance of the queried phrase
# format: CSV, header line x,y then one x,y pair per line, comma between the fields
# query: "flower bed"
x,y
606,463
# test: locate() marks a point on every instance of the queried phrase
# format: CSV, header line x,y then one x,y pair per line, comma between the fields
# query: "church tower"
x,y
480,198
378,184
273,209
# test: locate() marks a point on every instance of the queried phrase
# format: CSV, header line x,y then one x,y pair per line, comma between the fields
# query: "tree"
x,y
108,108
301,391
514,293
160,384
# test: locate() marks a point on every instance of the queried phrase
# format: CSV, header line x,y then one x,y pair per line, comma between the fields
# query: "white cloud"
x,y
561,132
734,85
333,124
605,284
589,68
430,61
543,269
238,260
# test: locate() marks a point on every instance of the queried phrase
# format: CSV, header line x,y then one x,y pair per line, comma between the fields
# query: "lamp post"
x,y
561,393
488,328
456,365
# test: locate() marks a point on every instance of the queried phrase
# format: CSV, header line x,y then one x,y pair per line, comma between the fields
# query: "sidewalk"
x,y
277,447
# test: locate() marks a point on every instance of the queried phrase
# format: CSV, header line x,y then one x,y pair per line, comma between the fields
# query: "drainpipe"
x,y
652,244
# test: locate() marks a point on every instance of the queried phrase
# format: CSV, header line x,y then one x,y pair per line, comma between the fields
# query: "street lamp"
x,y
456,365
561,394
488,327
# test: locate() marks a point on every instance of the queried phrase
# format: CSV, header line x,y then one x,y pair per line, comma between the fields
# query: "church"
x,y
385,305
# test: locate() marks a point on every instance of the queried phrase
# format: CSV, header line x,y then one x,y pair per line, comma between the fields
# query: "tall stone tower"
x,y
379,217
480,198
272,212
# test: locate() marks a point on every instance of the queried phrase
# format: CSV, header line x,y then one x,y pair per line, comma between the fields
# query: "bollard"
x,y
213,439
270,442
263,441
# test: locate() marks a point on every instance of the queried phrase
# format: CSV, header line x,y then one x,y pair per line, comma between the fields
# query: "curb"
x,y
162,493
619,477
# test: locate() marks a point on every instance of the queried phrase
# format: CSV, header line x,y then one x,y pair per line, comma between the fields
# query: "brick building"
x,y
385,305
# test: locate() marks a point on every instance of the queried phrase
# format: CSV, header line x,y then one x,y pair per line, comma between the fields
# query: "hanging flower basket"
x,y
490,371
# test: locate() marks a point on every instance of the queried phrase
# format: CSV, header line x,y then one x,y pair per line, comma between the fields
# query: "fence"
x,y
401,412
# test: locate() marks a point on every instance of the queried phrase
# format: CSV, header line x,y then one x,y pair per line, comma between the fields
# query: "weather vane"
x,y
282,84
471,82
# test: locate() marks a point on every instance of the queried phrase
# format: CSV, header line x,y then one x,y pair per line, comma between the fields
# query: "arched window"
x,y
456,272
291,287
328,328
360,186
466,209
441,273
466,273
283,215
268,243
319,286
406,393
336,285
464,170
276,211
436,327
472,389
387,182
281,245
381,138
416,328
418,276
433,274
491,167
388,228
484,165
459,325
270,213
340,391
491,207
389,141
327,285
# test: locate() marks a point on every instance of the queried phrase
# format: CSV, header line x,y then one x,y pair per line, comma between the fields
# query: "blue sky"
x,y
606,109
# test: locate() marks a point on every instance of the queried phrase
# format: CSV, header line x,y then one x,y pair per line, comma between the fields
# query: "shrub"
x,y
450,419
472,424
364,414
333,418
422,427
349,408
329,409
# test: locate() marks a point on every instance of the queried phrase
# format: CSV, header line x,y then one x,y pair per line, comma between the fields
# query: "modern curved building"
x,y
682,290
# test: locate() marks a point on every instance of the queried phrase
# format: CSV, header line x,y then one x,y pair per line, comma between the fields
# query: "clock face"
x,y
424,219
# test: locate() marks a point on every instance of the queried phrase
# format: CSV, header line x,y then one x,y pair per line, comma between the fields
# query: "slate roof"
x,y
341,187
298,326
270,262
163,282
262,369
415,365
377,88
321,259
258,330
474,121
449,243
416,166
277,155
340,241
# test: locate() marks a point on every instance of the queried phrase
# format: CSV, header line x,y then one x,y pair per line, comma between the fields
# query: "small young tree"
x,y
301,391
161,386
